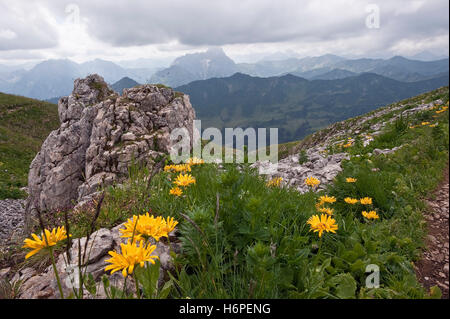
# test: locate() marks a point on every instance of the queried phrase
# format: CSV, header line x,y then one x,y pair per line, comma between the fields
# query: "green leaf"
x,y
90,285
435,292
344,286
148,278
165,290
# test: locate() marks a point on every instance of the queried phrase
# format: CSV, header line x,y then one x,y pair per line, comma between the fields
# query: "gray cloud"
x,y
200,22
24,27
335,26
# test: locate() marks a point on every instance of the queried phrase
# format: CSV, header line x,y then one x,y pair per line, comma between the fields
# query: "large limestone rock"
x,y
101,134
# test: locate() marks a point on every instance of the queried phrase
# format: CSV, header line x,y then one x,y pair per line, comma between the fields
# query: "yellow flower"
x,y
132,254
324,223
185,180
326,210
312,181
370,215
168,168
37,243
176,191
350,180
348,144
170,224
182,168
275,182
350,200
178,168
366,201
425,123
433,125
147,226
444,108
195,161
327,199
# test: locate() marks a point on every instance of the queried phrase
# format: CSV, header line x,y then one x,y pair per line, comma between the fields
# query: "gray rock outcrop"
x,y
319,165
100,136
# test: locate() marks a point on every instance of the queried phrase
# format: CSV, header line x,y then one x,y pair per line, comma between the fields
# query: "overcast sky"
x,y
130,29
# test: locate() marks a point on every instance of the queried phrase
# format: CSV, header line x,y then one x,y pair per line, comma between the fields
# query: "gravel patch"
x,y
12,213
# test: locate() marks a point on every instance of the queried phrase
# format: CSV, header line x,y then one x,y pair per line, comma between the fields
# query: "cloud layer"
x,y
111,27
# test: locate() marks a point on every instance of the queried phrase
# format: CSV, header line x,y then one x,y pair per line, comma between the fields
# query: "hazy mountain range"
x,y
54,78
295,105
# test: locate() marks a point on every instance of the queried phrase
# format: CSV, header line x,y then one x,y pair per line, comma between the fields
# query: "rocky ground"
x,y
433,268
319,165
11,219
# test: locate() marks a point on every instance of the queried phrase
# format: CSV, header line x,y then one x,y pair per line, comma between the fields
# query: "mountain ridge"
x,y
296,105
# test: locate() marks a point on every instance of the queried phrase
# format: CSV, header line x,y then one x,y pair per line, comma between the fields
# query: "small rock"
x,y
4,272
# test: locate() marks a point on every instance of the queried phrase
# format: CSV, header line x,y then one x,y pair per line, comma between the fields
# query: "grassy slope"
x,y
24,124
261,246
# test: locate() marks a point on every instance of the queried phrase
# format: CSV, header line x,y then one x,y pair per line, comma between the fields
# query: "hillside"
x,y
295,105
24,124
256,237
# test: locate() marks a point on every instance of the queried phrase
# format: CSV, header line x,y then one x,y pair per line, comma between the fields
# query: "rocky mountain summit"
x,y
101,134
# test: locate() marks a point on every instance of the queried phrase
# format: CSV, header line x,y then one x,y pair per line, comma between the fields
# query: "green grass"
x,y
256,242
24,125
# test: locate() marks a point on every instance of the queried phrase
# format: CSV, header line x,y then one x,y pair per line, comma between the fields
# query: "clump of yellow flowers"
x,y
321,224
144,227
45,240
326,210
312,182
195,161
366,201
184,180
132,254
348,144
370,215
177,168
176,191
325,199
351,201
138,249
275,182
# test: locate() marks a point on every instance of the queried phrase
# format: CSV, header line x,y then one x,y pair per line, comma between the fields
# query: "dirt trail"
x,y
433,269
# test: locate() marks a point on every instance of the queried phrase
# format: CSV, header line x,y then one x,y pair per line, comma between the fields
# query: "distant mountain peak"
x,y
124,83
213,63
215,50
